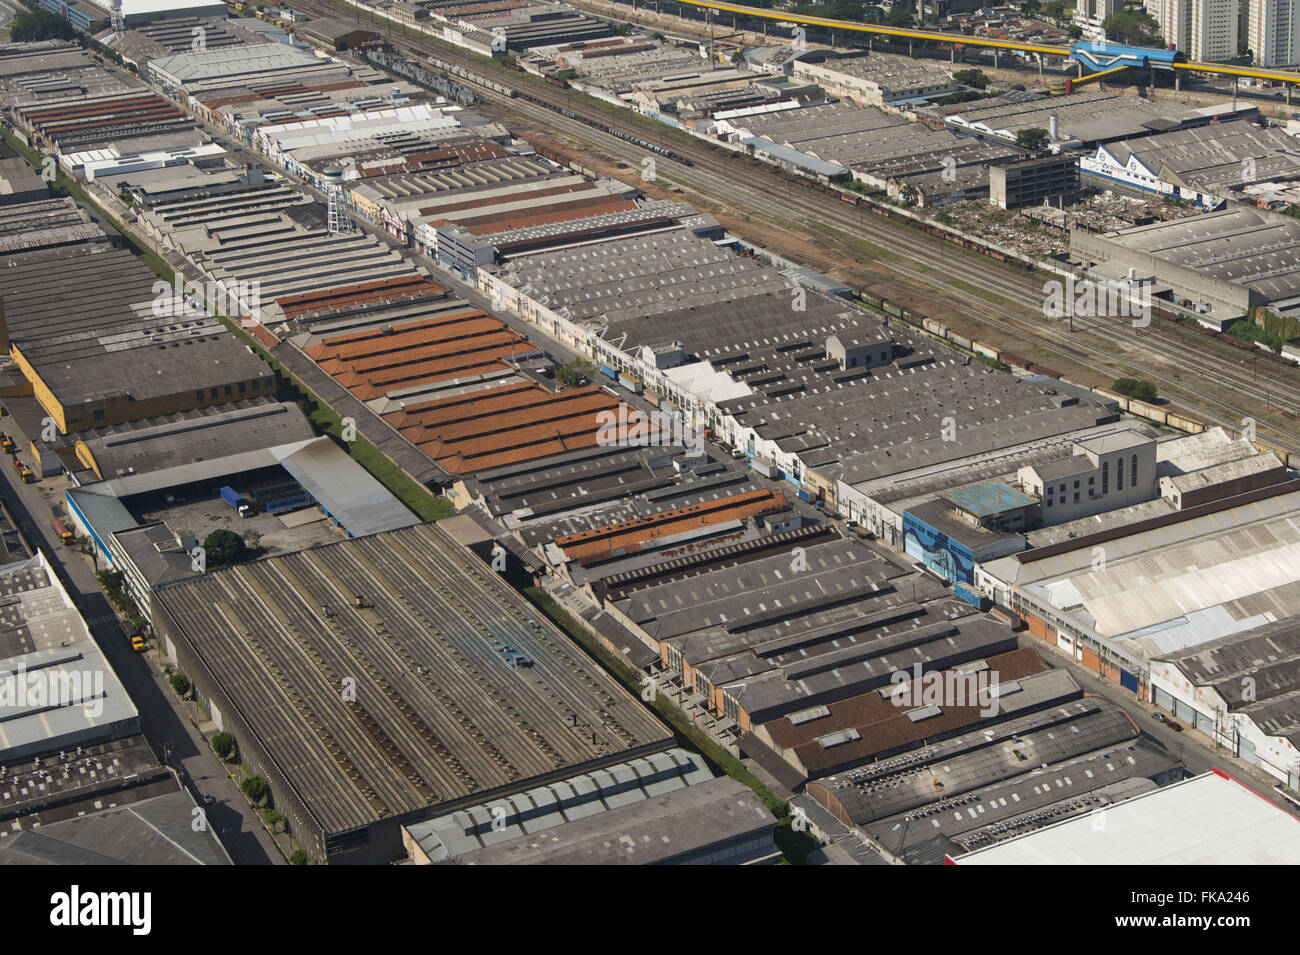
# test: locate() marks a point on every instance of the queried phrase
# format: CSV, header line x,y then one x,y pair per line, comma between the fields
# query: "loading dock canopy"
x,y
345,490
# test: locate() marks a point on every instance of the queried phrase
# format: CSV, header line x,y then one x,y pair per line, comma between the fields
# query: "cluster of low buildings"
x,y
185,408
80,784
494,28
864,562
879,121
1007,23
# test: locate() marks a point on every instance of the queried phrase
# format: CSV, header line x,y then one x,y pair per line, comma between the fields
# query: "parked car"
x,y
1177,728
1160,716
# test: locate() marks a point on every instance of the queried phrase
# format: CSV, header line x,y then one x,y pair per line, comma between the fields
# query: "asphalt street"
x,y
168,724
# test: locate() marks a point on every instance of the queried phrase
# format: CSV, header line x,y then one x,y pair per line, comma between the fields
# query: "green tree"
x,y
1030,7
1031,137
1138,388
1132,27
962,96
255,788
111,581
300,857
222,548
180,683
1248,331
576,372
253,539
976,78
223,744
31,26
1054,9
1074,31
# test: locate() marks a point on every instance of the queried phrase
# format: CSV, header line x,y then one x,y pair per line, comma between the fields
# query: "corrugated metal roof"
x,y
346,490
793,156
1208,820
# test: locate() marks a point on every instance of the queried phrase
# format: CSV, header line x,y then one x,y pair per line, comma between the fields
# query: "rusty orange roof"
x,y
263,335
560,212
490,200
503,425
399,289
436,159
373,362
482,428
885,727
600,543
356,346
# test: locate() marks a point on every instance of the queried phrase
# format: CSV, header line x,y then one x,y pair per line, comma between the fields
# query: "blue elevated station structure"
x,y
1107,56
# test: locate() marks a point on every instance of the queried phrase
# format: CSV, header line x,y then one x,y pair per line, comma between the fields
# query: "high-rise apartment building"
x,y
1213,30
1205,30
1091,14
1273,31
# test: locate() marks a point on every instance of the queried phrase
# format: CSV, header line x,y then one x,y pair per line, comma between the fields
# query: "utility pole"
x,y
907,824
710,9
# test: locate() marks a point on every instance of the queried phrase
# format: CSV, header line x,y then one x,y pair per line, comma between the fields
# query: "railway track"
x,y
734,179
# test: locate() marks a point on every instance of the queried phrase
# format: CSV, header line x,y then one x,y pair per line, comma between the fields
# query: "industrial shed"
x,y
335,34
665,809
463,692
1210,819
344,490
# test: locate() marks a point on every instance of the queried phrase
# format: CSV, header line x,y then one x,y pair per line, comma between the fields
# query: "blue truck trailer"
x,y
237,501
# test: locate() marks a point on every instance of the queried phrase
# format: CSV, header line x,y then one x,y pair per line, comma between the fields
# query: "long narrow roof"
x,y
1210,819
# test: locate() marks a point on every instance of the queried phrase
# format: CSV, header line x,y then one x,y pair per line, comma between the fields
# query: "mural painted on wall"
x,y
934,549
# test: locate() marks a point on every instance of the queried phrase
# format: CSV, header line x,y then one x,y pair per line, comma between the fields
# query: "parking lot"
x,y
201,515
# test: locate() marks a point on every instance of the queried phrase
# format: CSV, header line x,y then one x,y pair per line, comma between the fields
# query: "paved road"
x,y
1195,751
166,722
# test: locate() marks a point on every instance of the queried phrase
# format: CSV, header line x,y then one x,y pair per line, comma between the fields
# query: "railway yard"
x,y
983,299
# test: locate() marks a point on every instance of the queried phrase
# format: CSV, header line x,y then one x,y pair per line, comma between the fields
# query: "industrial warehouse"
x,y
379,648
81,784
532,433
163,363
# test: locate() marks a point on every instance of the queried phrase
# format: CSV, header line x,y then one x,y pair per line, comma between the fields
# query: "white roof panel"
x,y
135,8
1207,820
345,489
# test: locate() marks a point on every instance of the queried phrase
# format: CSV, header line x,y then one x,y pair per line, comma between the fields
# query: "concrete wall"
x,y
1273,754
1099,495
1189,282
